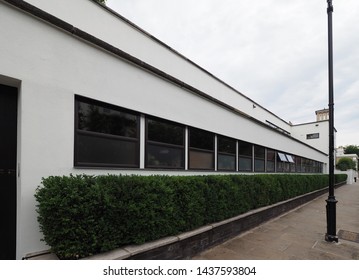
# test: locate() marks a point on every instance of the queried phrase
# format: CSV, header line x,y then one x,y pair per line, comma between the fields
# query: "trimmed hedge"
x,y
83,215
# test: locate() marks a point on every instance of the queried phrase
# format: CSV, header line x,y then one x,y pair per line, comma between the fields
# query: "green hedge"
x,y
84,215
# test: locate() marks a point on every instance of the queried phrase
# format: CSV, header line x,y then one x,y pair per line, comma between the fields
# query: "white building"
x,y
352,174
315,134
340,154
322,115
79,95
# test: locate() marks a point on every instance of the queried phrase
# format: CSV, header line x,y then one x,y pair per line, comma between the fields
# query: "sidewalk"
x,y
299,234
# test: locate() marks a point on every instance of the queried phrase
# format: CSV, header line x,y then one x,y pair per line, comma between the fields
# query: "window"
x,y
291,160
105,135
245,156
164,144
307,165
313,136
259,159
270,160
226,147
319,167
201,149
282,163
282,157
298,163
313,166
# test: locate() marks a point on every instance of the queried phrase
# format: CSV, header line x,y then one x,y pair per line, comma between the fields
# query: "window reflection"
x,y
100,119
105,135
165,144
201,149
226,153
245,156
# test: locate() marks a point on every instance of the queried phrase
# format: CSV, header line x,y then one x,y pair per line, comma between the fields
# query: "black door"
x,y
8,143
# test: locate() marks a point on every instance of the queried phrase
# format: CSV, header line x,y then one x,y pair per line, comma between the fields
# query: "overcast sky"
x,y
273,51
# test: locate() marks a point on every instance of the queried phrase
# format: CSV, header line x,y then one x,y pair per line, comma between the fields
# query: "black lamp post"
x,y
331,234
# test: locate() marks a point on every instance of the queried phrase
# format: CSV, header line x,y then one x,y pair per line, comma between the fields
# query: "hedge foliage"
x,y
84,215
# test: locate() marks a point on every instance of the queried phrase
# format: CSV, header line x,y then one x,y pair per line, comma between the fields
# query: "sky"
x,y
273,51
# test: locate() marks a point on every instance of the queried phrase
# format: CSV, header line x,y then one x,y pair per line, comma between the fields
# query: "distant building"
x,y
315,134
340,154
103,96
352,174
322,115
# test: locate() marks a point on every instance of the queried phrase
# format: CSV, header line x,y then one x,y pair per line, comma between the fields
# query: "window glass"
x,y
290,158
105,135
245,149
282,157
259,152
106,120
298,163
245,158
270,166
201,160
259,156
226,162
306,165
270,160
201,139
201,149
313,136
164,157
226,153
226,145
259,165
245,164
165,132
101,151
165,144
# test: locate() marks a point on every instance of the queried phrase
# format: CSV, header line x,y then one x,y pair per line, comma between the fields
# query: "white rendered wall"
x,y
52,66
322,127
121,34
351,175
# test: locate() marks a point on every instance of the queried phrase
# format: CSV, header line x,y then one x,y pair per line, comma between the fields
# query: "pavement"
x,y
299,234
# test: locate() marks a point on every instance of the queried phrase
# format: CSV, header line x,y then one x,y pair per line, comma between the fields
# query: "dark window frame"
x,y
282,163
298,164
259,158
163,144
313,136
82,164
292,163
200,150
272,161
131,127
233,154
245,156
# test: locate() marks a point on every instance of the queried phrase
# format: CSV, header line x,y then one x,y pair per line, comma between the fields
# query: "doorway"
x,y
8,161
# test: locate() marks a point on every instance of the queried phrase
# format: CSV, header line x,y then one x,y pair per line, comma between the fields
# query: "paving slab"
x,y
299,234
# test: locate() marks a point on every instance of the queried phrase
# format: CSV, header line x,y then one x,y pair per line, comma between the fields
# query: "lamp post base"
x,y
331,238
331,235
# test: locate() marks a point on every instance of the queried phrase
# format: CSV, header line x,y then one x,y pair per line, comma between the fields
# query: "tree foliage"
x,y
351,149
346,164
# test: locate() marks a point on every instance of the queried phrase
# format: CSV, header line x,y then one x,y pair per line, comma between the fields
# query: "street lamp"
x,y
331,234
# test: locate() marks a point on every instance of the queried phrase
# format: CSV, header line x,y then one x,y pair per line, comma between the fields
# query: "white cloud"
x,y
273,51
